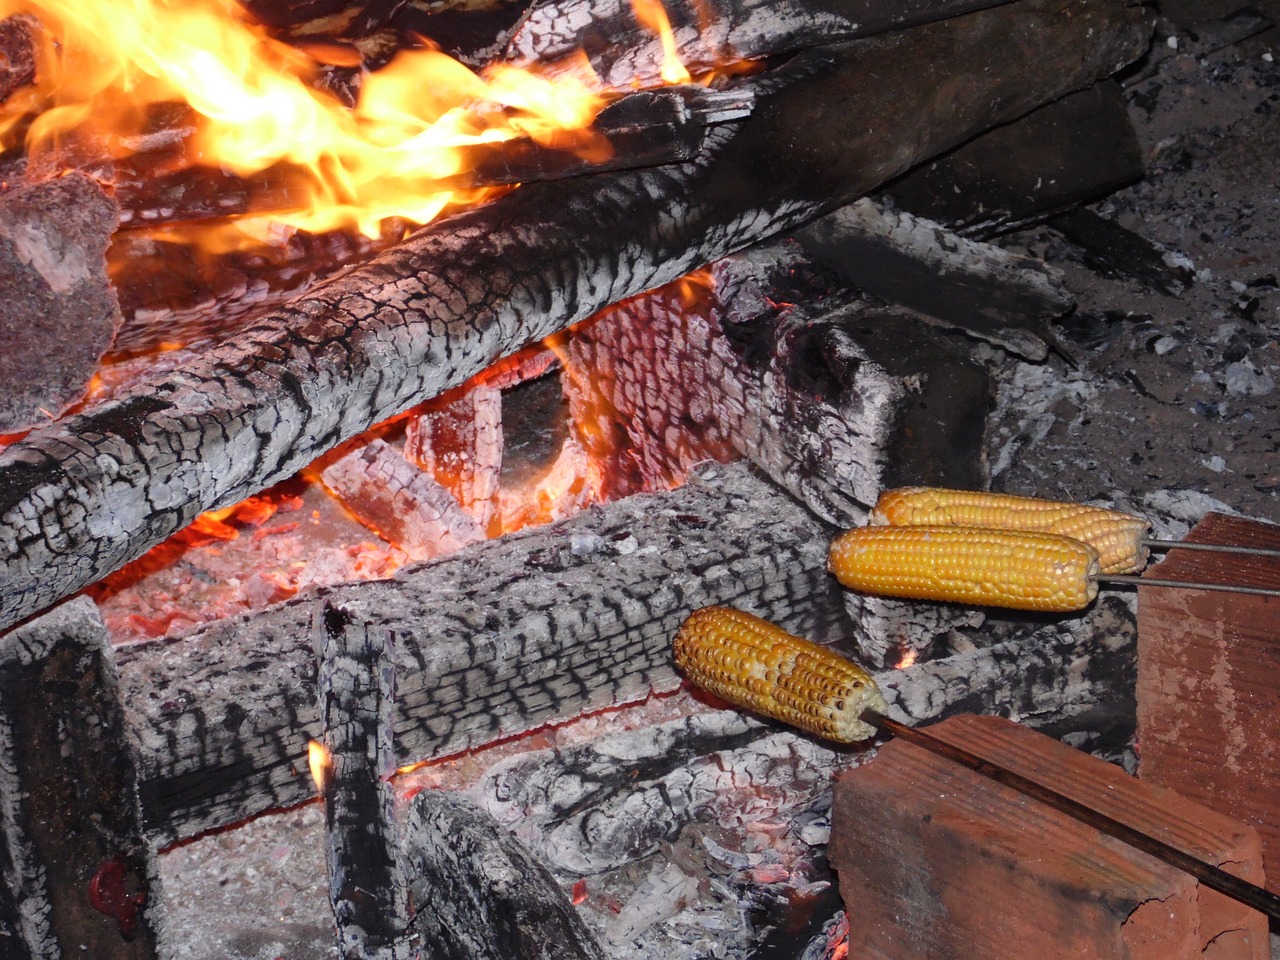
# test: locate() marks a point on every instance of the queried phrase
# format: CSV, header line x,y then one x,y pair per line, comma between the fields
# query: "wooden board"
x,y
1209,679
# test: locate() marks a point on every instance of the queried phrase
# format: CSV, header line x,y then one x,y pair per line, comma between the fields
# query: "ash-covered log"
x,y
356,689
58,312
82,497
480,893
500,638
78,878
706,35
458,439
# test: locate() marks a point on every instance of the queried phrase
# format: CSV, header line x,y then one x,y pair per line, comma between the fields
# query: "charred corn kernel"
x,y
996,568
755,664
1115,535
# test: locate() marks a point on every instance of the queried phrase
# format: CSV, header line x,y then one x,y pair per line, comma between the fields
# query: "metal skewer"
x,y
1211,547
1213,877
1187,585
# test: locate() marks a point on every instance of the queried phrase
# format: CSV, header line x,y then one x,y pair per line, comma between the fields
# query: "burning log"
x,y
459,441
497,639
77,873
356,686
980,289
17,56
81,497
404,505
689,373
58,314
622,49
481,894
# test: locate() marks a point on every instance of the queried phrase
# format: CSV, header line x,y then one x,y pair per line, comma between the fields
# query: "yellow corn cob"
x,y
1115,535
754,664
996,568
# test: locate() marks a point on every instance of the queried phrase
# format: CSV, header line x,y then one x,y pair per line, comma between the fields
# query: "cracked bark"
x,y
80,498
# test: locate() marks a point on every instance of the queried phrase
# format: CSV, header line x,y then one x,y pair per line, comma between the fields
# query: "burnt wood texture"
x,y
78,879
481,893
495,640
82,497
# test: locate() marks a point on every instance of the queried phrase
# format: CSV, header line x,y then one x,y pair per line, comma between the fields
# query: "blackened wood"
x,y
1069,152
480,893
982,290
1115,250
17,55
404,505
495,640
356,688
58,312
82,497
707,35
78,877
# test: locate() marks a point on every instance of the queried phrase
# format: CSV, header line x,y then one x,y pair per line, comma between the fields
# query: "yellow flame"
x,y
909,658
320,762
385,158
653,16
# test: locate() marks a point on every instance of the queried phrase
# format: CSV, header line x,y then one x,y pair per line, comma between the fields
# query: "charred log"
x,y
1116,251
81,497
981,290
1025,171
497,639
58,313
707,35
356,692
481,894
458,439
77,873
17,55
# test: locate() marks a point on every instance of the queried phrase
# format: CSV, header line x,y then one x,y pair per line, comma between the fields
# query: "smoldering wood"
x,y
403,504
982,290
458,440
17,55
81,497
497,639
356,691
706,35
58,314
481,894
78,875
1117,251
1038,165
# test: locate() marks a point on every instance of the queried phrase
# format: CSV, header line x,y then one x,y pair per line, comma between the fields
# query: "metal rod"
x,y
1190,585
1212,547
1213,877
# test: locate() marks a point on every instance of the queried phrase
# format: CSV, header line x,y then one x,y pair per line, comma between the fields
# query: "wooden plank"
x,y
80,498
1209,679
936,860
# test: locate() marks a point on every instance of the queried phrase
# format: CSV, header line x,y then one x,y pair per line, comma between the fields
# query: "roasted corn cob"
x,y
754,664
1118,537
997,568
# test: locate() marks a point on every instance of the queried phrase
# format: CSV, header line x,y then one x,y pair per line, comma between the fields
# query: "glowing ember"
x,y
105,64
908,659
320,762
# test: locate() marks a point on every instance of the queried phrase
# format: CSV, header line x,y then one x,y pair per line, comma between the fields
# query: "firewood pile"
x,y
426,492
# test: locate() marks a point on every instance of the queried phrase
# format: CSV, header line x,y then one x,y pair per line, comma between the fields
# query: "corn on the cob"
x,y
754,664
1115,535
997,568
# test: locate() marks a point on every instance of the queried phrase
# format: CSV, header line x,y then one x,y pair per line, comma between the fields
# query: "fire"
x,y
653,16
909,658
391,156
320,762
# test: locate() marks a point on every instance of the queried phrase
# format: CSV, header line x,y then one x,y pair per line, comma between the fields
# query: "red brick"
x,y
1209,680
937,861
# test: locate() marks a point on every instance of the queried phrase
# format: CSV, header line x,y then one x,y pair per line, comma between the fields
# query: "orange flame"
x,y
653,16
909,658
384,159
320,762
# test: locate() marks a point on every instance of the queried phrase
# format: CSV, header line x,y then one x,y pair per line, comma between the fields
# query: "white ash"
x,y
1030,400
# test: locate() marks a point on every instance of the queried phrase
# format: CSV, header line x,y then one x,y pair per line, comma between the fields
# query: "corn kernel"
x,y
757,665
1115,535
997,568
